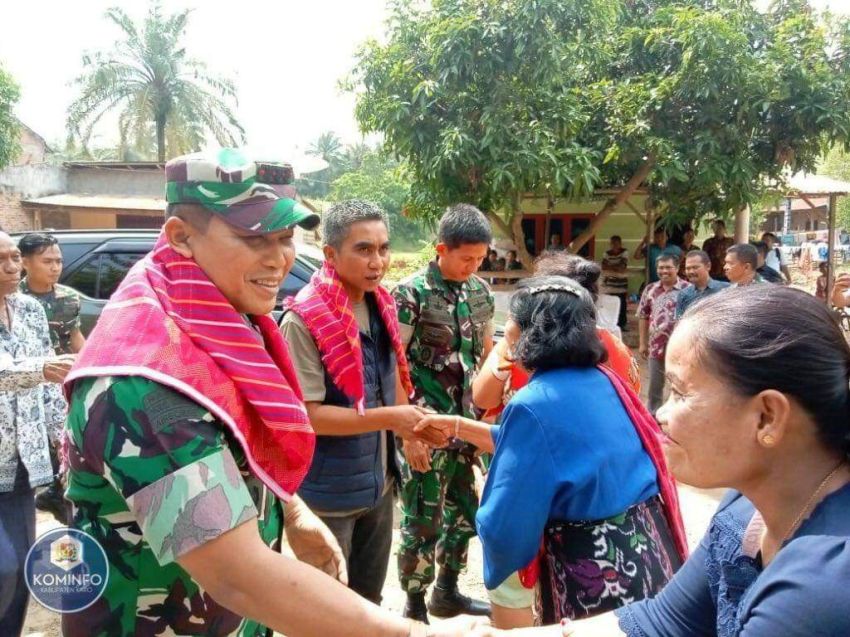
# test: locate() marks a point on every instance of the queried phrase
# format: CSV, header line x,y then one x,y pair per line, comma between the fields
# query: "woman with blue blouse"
x,y
577,487
570,469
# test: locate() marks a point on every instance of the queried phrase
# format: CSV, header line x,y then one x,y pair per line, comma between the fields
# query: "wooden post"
x,y
830,264
516,232
742,225
786,216
649,237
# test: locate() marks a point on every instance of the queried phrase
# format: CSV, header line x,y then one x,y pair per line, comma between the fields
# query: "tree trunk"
x,y
160,138
613,203
498,222
518,235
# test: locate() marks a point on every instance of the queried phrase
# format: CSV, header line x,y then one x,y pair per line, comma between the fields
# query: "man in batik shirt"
x,y
656,320
32,411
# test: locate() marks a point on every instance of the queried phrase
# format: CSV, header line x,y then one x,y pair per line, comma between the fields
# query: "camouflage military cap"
x,y
254,196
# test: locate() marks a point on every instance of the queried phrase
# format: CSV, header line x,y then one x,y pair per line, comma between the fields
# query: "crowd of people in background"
x,y
677,276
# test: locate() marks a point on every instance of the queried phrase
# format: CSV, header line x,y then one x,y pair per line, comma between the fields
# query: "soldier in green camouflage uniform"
x,y
162,451
445,313
62,306
162,484
42,260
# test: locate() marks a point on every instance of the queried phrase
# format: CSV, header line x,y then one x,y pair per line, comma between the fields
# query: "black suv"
x,y
97,260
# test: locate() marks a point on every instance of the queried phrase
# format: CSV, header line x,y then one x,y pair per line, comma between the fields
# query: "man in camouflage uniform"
x,y
445,312
42,260
43,264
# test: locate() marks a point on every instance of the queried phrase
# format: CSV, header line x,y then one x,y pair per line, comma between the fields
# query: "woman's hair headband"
x,y
568,286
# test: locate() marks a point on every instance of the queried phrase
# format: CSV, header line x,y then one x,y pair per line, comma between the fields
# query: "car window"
x,y
84,278
74,251
113,268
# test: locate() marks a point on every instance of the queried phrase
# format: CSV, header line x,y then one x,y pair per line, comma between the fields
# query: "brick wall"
x,y
13,217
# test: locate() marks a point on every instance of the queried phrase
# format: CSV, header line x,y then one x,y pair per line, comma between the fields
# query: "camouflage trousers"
x,y
438,516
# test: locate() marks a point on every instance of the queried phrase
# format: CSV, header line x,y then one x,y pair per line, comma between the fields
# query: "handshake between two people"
x,y
419,424
422,430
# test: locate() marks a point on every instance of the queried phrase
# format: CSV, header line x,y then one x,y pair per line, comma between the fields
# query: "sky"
x,y
285,57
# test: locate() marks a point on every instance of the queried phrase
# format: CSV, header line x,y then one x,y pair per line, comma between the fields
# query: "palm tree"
x,y
328,146
355,154
162,94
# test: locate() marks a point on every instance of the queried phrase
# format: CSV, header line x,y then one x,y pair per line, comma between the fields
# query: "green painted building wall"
x,y
623,221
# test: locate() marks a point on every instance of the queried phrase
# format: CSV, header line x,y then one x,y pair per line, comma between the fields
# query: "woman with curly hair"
x,y
578,496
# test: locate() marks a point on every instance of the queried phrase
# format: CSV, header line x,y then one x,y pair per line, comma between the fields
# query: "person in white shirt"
x,y
775,258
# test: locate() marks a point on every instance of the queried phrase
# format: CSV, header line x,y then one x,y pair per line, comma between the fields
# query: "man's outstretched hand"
x,y
312,541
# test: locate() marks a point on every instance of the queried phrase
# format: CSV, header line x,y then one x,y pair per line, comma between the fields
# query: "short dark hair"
x,y
660,229
761,247
701,254
776,337
719,222
192,213
557,327
464,224
559,263
36,243
667,256
513,252
338,219
769,234
745,253
492,253
616,237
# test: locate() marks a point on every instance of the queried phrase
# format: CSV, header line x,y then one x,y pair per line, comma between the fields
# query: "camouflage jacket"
x,y
62,306
153,475
450,323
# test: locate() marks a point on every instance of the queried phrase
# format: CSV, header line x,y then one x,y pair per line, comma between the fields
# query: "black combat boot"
x,y
415,608
53,501
446,600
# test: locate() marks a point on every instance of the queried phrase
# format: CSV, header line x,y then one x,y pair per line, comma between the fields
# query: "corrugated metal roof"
x,y
122,165
100,202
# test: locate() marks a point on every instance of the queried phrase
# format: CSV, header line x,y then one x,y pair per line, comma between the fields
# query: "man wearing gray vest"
x,y
343,335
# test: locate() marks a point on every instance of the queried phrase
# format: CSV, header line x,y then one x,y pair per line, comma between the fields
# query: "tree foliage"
x,y
165,99
699,101
837,165
9,127
380,179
